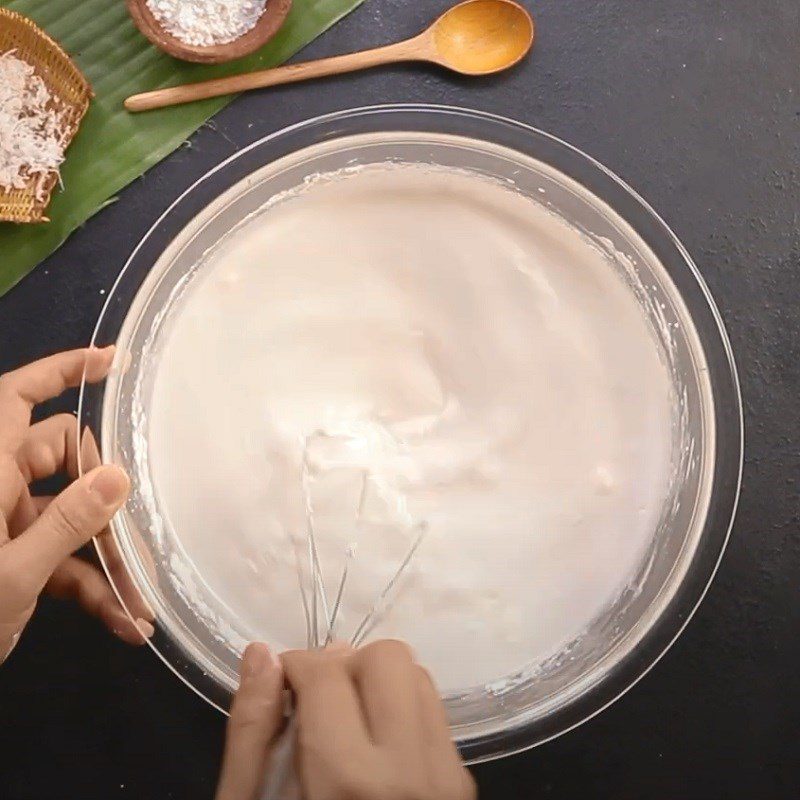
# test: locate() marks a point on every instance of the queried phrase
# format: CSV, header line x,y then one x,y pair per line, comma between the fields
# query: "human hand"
x,y
370,726
39,534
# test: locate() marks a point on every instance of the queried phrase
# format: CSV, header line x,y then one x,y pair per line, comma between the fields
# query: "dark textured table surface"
x,y
697,105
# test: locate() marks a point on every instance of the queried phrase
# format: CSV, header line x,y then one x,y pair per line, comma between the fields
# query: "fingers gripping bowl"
x,y
198,637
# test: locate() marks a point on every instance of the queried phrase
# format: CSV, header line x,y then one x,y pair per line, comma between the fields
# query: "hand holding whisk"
x,y
280,781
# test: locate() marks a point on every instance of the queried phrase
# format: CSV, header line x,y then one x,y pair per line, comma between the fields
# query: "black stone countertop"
x,y
697,106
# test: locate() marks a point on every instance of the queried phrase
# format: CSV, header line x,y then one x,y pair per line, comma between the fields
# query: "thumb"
x,y
255,719
80,512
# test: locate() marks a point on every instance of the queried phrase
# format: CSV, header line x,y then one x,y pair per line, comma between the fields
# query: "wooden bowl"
x,y
270,21
63,80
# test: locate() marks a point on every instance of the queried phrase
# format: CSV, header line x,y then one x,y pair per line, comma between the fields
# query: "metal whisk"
x,y
316,599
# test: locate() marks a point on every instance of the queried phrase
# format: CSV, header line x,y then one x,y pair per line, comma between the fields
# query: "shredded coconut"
x,y
33,129
207,22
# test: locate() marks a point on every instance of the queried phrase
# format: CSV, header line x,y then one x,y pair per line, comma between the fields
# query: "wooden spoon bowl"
x,y
270,21
481,37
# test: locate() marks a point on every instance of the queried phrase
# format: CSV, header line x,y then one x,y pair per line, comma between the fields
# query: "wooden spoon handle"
x,y
410,50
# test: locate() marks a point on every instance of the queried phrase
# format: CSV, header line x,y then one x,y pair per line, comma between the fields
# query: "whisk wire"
x,y
337,603
317,583
303,598
379,607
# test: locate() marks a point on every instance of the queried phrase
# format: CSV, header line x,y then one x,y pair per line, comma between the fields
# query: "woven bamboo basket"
x,y
65,81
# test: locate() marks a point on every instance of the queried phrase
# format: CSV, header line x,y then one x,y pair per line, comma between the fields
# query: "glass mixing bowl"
x,y
623,642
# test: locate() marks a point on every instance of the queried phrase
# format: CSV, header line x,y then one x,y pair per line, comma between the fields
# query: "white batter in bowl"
x,y
484,368
457,336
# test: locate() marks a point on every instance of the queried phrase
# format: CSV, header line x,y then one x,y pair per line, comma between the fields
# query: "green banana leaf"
x,y
112,146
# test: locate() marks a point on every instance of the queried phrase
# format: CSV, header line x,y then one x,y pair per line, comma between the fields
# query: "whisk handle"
x,y
280,781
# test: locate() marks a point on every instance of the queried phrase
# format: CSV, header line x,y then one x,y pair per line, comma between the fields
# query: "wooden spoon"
x,y
269,22
476,37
